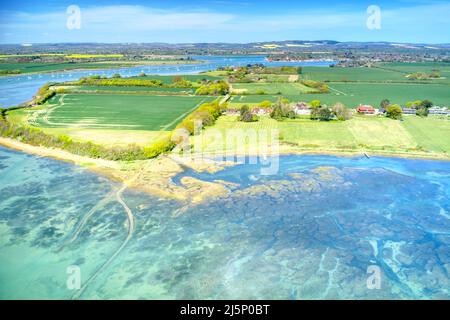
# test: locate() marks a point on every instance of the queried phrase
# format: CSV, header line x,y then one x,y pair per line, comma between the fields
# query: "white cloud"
x,y
119,17
145,24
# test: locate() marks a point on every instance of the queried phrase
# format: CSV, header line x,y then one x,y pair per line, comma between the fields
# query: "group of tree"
x,y
180,82
213,88
395,111
322,112
117,81
341,112
320,87
255,72
266,104
246,115
45,93
421,107
37,137
435,74
282,110
205,115
8,72
284,70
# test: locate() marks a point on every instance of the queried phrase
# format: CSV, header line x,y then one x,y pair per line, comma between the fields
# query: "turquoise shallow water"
x,y
309,232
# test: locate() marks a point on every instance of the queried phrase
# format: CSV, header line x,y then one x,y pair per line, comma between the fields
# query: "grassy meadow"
x,y
169,78
108,115
115,112
354,86
353,94
283,88
382,72
351,74
130,89
377,134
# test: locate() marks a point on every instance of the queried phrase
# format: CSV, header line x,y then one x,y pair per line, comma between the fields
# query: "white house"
x,y
302,109
439,111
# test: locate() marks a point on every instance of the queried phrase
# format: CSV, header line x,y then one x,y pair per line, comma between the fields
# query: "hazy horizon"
x,y
223,21
231,43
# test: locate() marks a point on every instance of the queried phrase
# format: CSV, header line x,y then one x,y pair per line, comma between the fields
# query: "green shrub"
x,y
179,82
321,114
213,88
36,137
266,104
315,104
44,94
246,115
161,146
121,82
3,72
394,111
319,86
422,112
341,112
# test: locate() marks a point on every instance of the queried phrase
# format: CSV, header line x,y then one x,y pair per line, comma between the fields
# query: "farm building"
x,y
261,111
409,111
365,109
439,111
232,112
302,109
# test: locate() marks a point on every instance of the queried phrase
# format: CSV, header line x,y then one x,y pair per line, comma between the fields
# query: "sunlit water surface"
x,y
308,232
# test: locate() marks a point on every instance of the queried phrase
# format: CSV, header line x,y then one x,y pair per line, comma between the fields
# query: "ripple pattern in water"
x,y
309,232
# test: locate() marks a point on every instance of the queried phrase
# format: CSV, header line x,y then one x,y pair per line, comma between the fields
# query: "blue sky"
x,y
176,21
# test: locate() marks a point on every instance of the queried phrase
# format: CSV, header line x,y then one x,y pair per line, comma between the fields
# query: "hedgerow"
x,y
37,137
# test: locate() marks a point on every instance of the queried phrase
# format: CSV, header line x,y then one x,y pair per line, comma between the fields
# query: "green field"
x,y
274,77
354,86
443,67
255,99
351,74
353,94
49,67
169,79
115,111
414,135
130,89
385,72
285,88
431,133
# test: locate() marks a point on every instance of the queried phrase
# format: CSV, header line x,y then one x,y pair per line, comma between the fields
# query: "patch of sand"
x,y
293,78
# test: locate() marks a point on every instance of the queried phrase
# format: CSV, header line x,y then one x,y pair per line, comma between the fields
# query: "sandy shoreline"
x,y
154,176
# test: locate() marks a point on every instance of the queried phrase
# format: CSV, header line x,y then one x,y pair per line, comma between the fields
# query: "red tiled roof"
x,y
365,108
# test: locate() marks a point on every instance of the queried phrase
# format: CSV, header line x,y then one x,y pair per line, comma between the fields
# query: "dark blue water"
x,y
309,232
